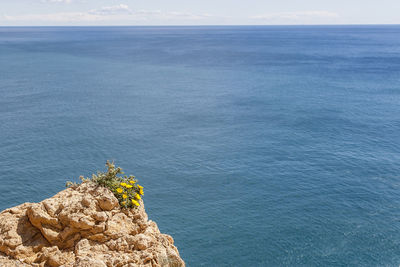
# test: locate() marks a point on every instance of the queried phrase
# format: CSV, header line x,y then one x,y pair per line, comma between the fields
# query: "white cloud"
x,y
297,16
122,14
112,10
57,1
119,13
54,17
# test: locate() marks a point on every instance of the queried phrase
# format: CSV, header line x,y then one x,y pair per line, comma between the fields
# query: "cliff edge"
x,y
80,227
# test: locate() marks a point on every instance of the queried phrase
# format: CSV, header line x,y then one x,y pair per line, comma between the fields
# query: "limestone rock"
x,y
83,226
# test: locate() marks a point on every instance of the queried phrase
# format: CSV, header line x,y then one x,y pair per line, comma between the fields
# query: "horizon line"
x,y
209,25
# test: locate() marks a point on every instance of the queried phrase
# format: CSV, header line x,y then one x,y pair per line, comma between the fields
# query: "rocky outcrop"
x,y
83,226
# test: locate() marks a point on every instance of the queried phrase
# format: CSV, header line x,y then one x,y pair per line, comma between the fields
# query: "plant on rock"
x,y
126,189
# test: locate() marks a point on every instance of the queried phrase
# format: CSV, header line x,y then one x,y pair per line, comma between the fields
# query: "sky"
x,y
197,12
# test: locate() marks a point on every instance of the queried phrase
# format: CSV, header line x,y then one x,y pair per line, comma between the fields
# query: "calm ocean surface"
x,y
257,146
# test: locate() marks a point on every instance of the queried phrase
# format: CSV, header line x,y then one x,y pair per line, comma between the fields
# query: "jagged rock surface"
x,y
83,226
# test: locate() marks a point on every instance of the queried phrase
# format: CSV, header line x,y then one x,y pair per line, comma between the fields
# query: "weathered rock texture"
x,y
83,227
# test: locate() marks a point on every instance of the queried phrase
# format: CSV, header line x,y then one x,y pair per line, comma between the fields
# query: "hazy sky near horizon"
x,y
204,12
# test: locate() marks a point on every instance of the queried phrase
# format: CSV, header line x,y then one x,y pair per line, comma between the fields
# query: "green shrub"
x,y
126,189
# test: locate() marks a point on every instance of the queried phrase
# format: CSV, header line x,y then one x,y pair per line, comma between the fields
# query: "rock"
x,y
142,241
88,262
83,226
8,262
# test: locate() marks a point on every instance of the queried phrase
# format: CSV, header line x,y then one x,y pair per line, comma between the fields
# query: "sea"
x,y
256,145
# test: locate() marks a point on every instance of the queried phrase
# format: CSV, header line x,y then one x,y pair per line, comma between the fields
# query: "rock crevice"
x,y
83,226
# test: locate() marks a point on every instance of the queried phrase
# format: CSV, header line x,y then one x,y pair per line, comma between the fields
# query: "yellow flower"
x,y
141,191
123,202
123,184
124,196
119,190
140,187
134,202
138,196
132,182
128,186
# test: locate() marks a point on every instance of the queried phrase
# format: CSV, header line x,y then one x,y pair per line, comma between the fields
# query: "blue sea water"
x,y
257,146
